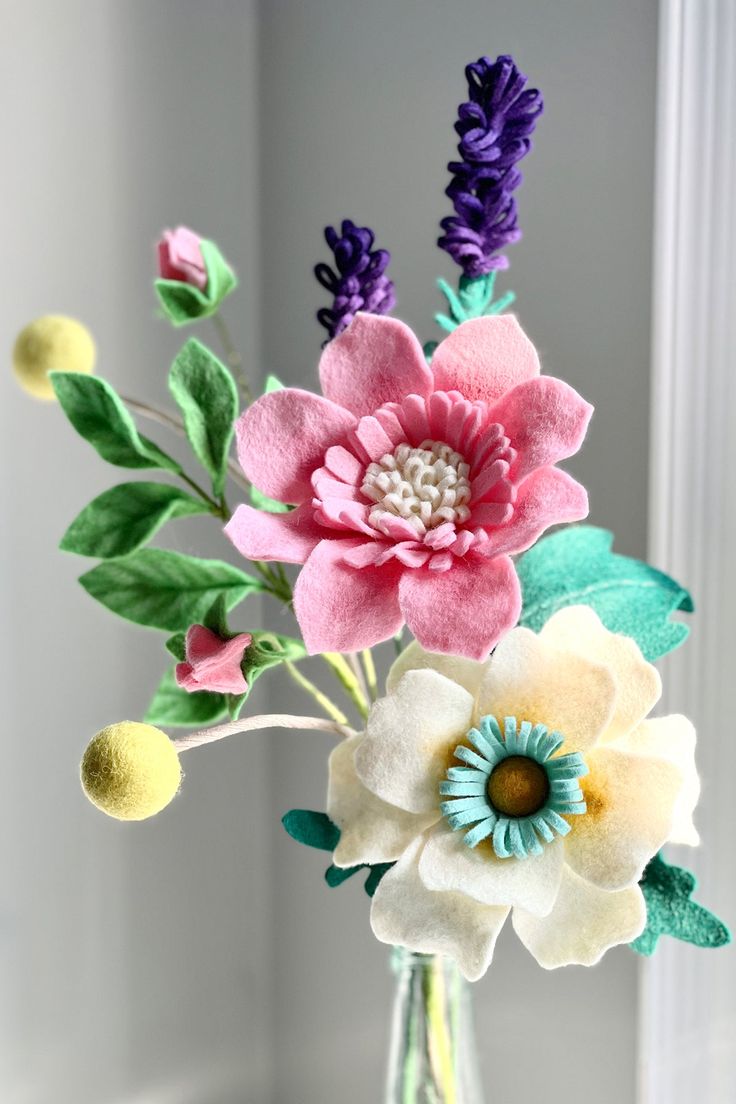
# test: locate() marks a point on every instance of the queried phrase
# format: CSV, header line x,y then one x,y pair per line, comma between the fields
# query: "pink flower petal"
x,y
484,357
546,497
463,611
545,420
258,535
284,436
344,465
342,609
213,664
370,439
374,361
342,514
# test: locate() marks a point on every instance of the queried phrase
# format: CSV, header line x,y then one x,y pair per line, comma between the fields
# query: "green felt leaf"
x,y
268,649
667,891
98,414
122,519
207,396
273,383
215,618
176,645
473,299
311,828
576,566
166,590
173,706
263,502
182,303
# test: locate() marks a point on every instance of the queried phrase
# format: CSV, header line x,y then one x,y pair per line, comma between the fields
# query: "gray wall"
x,y
359,101
200,957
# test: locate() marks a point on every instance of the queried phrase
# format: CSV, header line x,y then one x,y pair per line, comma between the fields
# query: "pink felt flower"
x,y
413,484
212,663
180,257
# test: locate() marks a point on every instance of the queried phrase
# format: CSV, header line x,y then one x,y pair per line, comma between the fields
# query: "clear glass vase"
x,y
433,1057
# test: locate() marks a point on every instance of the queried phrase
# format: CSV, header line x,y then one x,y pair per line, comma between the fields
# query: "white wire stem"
x,y
255,724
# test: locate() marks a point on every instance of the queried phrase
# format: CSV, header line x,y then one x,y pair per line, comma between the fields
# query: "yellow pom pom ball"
x,y
130,771
51,344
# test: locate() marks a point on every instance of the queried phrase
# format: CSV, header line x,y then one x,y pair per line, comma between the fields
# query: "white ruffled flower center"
x,y
425,486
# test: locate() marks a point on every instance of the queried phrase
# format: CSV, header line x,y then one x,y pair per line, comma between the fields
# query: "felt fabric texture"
x,y
207,395
638,791
610,919
632,598
258,534
413,478
403,755
180,257
404,914
495,127
182,300
212,663
130,771
371,830
358,282
53,343
667,891
311,828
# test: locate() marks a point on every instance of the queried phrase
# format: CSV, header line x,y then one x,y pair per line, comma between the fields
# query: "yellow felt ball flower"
x,y
130,771
53,343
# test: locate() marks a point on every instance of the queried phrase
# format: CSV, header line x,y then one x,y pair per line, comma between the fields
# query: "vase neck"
x,y
433,1056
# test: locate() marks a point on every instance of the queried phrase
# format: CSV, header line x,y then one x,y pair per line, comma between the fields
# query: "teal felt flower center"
x,y
513,788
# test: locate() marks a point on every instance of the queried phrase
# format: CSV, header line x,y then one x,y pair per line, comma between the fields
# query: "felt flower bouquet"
x,y
511,766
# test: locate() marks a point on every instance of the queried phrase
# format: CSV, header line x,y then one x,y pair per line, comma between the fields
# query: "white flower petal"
x,y
465,672
447,863
529,679
638,685
407,914
371,830
672,738
410,737
631,802
583,925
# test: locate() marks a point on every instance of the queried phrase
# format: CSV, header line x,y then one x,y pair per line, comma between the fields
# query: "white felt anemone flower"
x,y
530,783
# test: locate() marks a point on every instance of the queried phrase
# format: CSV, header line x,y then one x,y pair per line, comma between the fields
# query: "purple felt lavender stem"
x,y
358,281
495,128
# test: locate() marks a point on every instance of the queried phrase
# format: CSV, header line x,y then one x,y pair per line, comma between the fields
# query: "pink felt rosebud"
x,y
180,257
212,663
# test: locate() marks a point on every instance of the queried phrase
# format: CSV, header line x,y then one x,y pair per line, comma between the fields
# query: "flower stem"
x,y
370,673
219,509
341,669
172,422
256,724
233,357
322,700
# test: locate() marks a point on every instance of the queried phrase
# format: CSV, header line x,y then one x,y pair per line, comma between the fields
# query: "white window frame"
x,y
688,995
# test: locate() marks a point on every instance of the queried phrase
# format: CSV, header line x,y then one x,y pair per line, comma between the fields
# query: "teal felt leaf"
x,y
183,303
576,566
207,396
336,875
473,299
312,829
122,519
173,706
176,645
98,414
373,880
667,891
166,590
428,350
